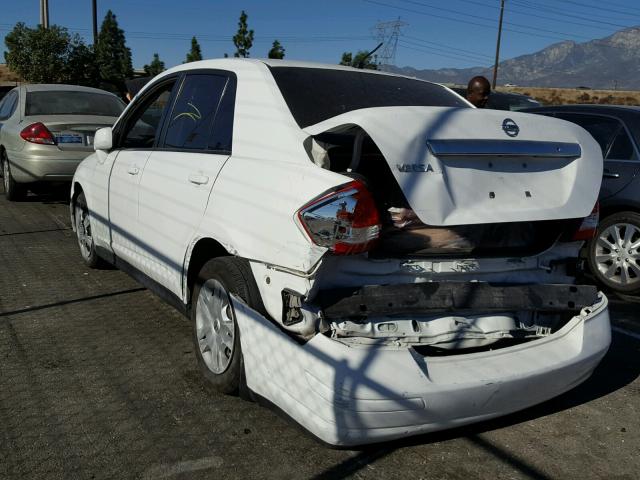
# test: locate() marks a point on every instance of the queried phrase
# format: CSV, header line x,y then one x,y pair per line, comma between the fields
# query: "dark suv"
x,y
614,254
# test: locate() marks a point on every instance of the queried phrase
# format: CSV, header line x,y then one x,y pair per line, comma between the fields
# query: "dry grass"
x,y
561,96
7,75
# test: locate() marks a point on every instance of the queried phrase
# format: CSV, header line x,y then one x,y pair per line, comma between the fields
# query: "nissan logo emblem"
x,y
510,127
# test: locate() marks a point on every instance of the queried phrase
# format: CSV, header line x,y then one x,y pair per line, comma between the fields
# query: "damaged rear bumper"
x,y
353,395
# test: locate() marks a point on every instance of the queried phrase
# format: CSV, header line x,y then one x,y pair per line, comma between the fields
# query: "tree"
x,y
361,60
82,68
243,40
277,51
195,53
155,67
112,54
49,55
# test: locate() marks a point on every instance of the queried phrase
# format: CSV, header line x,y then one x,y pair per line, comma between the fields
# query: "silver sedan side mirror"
x,y
103,139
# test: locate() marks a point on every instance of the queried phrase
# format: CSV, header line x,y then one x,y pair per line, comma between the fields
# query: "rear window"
x,y
60,102
315,94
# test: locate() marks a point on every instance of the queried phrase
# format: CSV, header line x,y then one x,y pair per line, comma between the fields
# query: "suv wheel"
x,y
215,330
84,233
12,190
614,253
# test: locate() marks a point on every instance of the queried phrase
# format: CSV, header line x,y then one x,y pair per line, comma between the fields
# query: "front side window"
x,y
60,102
193,114
142,129
316,94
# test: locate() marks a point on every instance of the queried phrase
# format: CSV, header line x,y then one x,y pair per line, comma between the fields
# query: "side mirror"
x,y
103,139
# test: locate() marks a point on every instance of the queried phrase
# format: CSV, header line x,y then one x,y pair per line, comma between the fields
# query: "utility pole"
x,y
94,13
44,13
495,65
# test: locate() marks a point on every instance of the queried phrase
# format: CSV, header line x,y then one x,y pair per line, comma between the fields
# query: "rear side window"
x,y
194,112
60,102
608,132
316,94
222,132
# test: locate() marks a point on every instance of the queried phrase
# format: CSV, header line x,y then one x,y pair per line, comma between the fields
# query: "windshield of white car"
x,y
316,94
61,102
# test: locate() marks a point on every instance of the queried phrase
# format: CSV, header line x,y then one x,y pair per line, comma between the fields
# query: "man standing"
x,y
478,91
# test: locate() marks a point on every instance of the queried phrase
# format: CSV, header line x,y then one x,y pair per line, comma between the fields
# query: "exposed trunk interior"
x,y
353,153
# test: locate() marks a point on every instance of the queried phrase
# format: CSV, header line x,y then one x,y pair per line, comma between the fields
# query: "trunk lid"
x,y
73,132
463,166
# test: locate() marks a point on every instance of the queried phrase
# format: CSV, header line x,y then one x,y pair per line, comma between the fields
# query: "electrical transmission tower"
x,y
387,33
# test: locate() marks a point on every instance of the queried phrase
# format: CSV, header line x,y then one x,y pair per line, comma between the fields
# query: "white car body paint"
x,y
348,393
455,190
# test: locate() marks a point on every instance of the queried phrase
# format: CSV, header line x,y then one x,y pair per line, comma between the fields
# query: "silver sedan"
x,y
47,130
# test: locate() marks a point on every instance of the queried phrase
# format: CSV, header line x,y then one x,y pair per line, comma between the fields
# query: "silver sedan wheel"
x,y
83,231
215,326
617,254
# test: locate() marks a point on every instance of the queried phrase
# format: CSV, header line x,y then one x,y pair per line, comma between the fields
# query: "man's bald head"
x,y
478,91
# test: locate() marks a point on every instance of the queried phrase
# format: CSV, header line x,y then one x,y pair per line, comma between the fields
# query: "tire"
x,y
12,191
614,253
216,336
84,233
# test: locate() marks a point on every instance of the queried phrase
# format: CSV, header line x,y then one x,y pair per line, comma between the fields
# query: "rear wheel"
x,y
12,190
215,329
614,253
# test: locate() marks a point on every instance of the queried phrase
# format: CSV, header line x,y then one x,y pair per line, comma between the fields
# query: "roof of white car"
x,y
228,62
47,87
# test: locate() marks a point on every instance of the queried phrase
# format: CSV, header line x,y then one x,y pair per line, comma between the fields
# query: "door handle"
x,y
198,179
133,170
608,174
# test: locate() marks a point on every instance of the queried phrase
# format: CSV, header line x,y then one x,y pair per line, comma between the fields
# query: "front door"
x,y
135,143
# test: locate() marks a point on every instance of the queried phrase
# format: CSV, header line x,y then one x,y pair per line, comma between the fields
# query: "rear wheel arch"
x,y
608,210
202,251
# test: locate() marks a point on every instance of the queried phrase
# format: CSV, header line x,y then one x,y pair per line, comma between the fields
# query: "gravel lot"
x,y
98,380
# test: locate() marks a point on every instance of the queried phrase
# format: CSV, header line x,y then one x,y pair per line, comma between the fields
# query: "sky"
x,y
434,34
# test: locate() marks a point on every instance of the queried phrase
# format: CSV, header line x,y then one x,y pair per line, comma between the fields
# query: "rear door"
x,y
618,150
179,175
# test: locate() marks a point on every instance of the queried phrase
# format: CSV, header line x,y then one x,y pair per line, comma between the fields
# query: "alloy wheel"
x,y
617,254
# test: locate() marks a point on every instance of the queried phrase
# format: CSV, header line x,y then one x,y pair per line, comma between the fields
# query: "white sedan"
x,y
366,251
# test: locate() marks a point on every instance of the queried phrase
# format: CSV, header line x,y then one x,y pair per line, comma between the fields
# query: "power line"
x,y
513,10
459,56
449,47
544,8
607,9
466,22
457,12
402,43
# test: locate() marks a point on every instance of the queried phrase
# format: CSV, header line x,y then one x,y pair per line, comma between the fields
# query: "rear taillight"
x,y
346,221
38,133
588,226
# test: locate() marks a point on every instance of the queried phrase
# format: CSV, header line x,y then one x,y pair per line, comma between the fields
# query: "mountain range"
x,y
606,63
